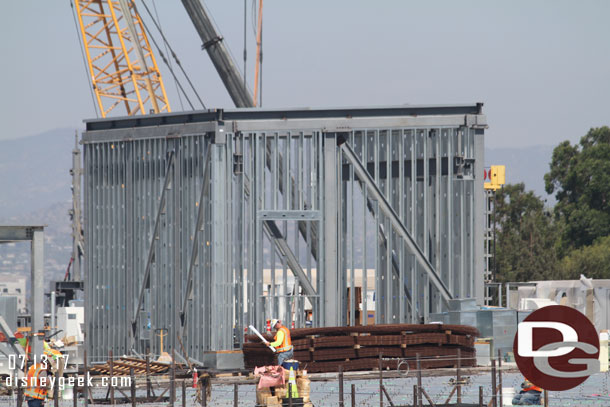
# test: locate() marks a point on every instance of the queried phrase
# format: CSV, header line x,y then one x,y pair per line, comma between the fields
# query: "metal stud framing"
x,y
286,214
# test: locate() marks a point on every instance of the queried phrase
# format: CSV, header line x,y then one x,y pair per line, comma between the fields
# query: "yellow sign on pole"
x,y
497,177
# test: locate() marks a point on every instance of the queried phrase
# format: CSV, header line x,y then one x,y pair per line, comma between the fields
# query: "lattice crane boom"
x,y
120,60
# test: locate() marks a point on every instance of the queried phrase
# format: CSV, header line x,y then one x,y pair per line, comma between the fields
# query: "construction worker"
x,y
36,386
281,342
529,394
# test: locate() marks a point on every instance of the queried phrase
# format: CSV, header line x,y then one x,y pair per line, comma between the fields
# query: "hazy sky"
x,y
540,67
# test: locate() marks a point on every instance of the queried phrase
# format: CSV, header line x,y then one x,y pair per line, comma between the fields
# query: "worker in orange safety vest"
x,y
529,394
281,342
36,385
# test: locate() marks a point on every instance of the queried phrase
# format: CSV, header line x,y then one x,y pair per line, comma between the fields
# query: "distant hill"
x,y
35,172
15,257
35,183
524,164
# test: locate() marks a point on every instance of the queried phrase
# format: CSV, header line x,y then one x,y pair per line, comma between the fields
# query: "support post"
x,y
111,364
55,393
203,392
479,217
19,394
459,378
330,293
493,383
341,401
235,395
37,291
415,402
86,387
184,394
419,392
148,383
133,387
172,383
480,396
380,382
500,371
546,398
353,395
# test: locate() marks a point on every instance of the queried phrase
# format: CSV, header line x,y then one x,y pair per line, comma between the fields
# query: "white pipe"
x,y
53,303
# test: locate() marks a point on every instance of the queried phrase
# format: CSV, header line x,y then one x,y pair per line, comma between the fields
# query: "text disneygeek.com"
x,y
62,382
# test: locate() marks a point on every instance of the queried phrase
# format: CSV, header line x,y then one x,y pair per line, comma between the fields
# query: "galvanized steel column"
x,y
479,218
37,290
329,263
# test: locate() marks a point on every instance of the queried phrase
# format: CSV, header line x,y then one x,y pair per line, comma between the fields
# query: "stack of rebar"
x,y
359,348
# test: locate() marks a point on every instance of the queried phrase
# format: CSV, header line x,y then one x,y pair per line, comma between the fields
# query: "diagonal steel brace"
x,y
388,211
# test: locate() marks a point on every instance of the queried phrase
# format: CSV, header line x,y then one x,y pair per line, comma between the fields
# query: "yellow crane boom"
x,y
120,60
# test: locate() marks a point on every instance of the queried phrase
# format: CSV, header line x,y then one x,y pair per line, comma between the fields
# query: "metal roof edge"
x,y
279,114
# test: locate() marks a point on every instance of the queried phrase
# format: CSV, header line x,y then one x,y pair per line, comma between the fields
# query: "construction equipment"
x,y
253,329
213,43
120,61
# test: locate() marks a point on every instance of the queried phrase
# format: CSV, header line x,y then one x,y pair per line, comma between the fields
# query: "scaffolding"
x,y
202,223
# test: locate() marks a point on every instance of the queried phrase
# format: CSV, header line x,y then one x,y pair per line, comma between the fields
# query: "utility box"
x,y
224,360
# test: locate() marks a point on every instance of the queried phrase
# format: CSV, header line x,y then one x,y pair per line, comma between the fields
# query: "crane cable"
x,y
173,55
82,52
167,52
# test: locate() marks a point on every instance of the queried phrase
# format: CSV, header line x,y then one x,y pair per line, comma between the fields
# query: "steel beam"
x,y
289,215
17,233
407,116
386,208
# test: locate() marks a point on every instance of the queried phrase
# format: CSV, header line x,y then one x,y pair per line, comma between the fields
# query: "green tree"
x,y
526,236
592,261
580,178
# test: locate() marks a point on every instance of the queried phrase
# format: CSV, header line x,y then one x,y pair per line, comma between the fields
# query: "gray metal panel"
x,y
8,310
17,233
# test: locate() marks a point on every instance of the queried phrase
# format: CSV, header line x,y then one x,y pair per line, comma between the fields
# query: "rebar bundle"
x,y
323,350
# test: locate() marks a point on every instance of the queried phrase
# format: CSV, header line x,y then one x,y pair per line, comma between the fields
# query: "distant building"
x,y
14,287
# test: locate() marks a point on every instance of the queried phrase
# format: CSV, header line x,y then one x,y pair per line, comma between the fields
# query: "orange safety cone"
x,y
195,378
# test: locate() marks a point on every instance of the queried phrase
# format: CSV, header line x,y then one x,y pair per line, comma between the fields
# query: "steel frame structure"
x,y
205,222
35,235
120,60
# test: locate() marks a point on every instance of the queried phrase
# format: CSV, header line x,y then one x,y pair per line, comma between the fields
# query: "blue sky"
x,y
541,67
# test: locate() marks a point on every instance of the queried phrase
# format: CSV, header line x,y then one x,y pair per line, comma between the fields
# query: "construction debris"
x,y
122,366
358,348
273,396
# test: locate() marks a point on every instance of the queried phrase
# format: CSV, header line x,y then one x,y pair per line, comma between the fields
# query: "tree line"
x,y
572,238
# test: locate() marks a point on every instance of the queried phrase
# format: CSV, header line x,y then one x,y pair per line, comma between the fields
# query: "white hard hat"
x,y
273,322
